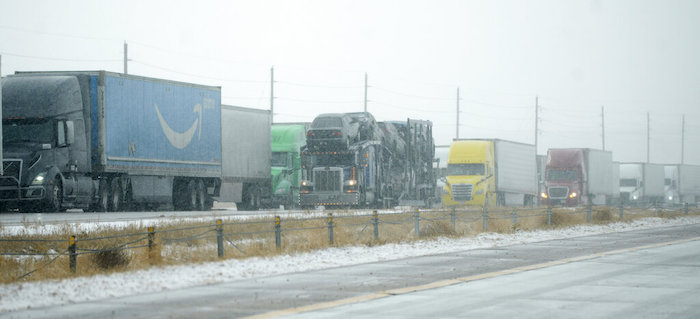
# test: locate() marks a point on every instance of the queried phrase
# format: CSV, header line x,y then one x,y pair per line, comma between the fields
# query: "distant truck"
x,y
682,184
287,140
490,172
105,141
246,156
641,183
377,168
578,176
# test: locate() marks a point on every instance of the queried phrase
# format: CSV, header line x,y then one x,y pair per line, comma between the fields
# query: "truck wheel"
x,y
116,199
201,196
56,197
102,204
191,195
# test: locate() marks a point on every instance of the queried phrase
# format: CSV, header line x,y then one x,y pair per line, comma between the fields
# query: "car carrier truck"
x,y
490,172
391,166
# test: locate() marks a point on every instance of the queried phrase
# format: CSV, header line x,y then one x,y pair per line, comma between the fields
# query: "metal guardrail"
x,y
151,238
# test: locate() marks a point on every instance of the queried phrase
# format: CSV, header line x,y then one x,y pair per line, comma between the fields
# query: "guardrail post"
x,y
375,222
151,240
278,233
588,214
73,256
330,228
686,208
622,211
485,216
549,215
219,238
453,219
515,216
416,222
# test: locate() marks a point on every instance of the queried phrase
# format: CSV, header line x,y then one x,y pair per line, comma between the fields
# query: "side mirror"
x,y
70,133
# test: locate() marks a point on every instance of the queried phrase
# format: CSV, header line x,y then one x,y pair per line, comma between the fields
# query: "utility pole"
x,y
537,120
683,139
602,116
1,166
125,57
457,134
648,137
272,94
365,92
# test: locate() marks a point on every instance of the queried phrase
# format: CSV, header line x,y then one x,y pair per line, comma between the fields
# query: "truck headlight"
x,y
543,195
39,179
670,198
307,183
573,195
635,197
350,182
445,191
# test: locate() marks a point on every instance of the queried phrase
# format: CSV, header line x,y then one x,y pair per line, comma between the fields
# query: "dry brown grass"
x,y
257,238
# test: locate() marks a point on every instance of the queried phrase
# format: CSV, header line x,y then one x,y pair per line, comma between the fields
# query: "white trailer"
x,y
641,183
689,183
246,154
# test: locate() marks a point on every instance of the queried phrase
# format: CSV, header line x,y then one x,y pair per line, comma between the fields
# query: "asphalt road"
x,y
656,271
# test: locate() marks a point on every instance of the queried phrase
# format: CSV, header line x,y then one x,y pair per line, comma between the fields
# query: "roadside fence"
x,y
307,232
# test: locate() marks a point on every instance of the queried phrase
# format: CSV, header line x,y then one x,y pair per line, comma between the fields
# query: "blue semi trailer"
x,y
107,142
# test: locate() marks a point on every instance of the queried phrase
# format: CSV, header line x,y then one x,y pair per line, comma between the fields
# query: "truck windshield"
x,y
465,169
343,159
562,175
628,182
27,130
279,159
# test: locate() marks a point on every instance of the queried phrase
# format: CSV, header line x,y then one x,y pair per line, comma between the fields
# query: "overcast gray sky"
x,y
630,56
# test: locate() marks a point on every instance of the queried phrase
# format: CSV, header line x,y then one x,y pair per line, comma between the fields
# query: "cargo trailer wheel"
x,y
191,195
116,199
201,196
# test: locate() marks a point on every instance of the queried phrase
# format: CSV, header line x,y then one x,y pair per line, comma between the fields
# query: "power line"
x,y
195,75
58,59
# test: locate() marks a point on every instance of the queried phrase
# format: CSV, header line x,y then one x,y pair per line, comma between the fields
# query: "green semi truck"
x,y
286,139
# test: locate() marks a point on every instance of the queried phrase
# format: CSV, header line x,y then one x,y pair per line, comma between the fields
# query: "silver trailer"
x,y
245,146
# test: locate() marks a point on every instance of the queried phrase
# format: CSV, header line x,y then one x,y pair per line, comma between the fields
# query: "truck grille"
x,y
12,170
327,181
462,192
558,192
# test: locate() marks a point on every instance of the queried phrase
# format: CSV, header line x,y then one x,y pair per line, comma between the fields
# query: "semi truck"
x,y
105,141
287,140
578,176
390,167
490,172
682,184
245,140
641,183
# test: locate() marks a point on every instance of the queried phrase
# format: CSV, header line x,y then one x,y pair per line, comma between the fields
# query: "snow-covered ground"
x,y
37,294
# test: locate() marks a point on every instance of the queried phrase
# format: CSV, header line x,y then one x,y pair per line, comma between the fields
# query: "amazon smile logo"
x,y
181,139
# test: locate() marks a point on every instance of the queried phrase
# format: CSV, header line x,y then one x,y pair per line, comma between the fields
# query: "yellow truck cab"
x,y
469,179
490,172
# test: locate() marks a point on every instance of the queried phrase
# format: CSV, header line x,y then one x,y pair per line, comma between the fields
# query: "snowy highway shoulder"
x,y
17,296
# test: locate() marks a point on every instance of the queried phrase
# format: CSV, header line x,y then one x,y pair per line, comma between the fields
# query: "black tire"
x,y
191,199
116,198
201,196
102,204
55,197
